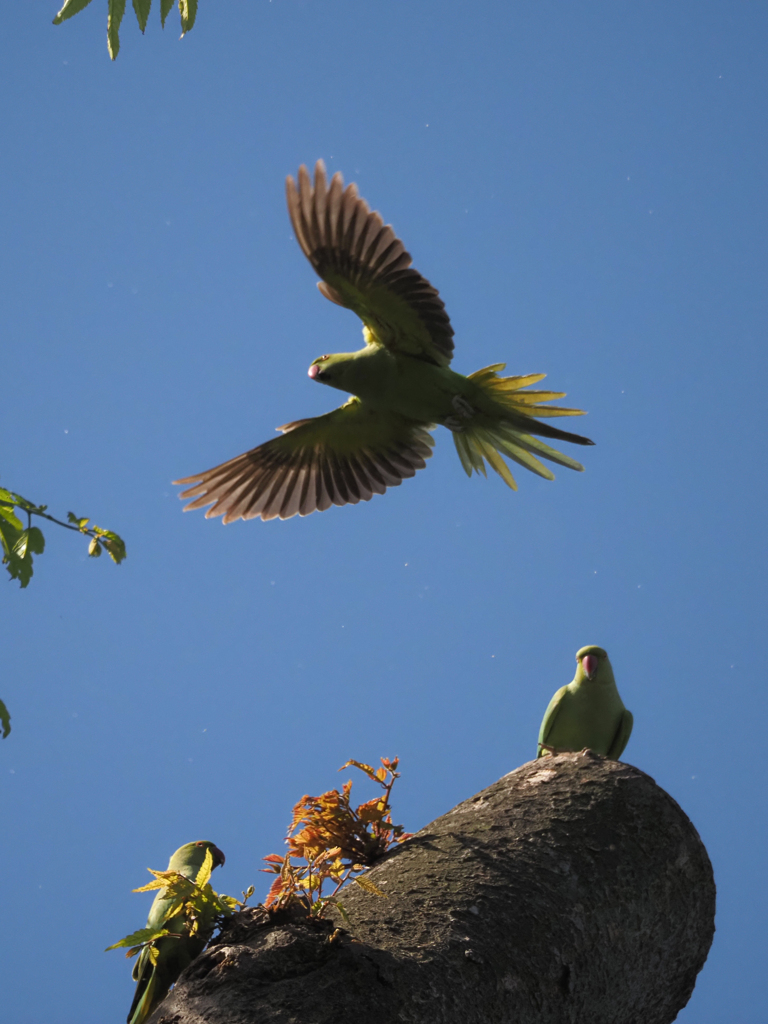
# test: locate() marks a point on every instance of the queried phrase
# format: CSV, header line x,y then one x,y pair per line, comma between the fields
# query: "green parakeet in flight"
x,y
173,954
401,383
588,712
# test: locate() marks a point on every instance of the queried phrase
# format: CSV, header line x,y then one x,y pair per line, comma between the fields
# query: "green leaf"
x,y
139,938
23,572
175,904
340,907
20,547
141,7
94,548
188,11
205,869
28,542
36,540
79,523
17,558
9,497
9,535
115,16
70,9
5,719
165,10
115,546
10,516
26,506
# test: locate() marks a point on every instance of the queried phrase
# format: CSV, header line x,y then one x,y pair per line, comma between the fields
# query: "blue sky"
x,y
584,183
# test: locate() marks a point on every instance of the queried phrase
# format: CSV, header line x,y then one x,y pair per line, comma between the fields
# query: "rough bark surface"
x,y
572,890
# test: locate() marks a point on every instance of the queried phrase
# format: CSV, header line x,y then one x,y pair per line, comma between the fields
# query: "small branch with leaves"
x,y
116,10
5,720
20,542
331,843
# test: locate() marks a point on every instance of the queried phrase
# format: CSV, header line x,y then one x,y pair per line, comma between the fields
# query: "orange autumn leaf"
x,y
329,841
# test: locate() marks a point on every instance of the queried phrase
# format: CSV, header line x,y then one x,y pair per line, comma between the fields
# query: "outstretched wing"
x,y
364,266
343,457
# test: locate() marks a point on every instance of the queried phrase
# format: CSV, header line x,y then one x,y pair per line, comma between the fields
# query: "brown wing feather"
x,y
313,466
347,244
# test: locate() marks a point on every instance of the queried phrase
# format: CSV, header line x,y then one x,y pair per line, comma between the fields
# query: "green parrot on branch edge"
x,y
177,950
400,382
588,713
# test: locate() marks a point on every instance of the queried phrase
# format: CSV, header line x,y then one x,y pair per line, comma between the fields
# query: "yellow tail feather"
x,y
484,442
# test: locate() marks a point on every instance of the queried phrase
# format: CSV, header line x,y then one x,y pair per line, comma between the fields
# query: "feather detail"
x,y
365,267
341,458
509,432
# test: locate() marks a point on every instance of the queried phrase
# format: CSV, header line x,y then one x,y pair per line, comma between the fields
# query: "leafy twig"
x,y
19,544
336,842
116,10
5,720
202,908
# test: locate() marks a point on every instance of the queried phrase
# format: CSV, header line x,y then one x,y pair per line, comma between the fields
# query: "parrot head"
x,y
192,855
218,856
334,370
590,660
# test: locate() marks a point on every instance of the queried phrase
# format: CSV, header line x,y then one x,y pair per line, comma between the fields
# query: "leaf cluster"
x,y
141,8
19,543
5,720
330,843
193,908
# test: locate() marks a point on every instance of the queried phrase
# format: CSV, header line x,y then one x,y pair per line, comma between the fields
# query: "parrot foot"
x,y
454,423
462,407
589,752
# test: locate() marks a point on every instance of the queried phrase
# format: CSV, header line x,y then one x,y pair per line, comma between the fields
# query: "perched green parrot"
x,y
400,382
587,713
173,954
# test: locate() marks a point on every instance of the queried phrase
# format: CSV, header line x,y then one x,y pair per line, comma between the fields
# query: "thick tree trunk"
x,y
572,890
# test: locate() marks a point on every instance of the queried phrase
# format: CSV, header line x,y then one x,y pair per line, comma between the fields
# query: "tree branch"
x,y
572,890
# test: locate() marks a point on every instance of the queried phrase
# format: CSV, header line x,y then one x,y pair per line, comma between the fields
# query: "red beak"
x,y
313,370
589,661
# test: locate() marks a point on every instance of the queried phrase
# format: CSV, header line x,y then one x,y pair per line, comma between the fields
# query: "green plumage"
x,y
588,712
401,382
173,954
